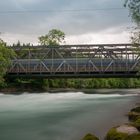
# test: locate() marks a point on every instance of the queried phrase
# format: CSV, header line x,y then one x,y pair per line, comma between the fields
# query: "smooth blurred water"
x,y
63,116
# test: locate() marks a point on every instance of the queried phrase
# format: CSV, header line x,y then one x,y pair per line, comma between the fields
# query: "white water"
x,y
63,116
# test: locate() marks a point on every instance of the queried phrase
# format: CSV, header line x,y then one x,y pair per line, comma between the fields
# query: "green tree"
x,y
54,37
134,8
6,54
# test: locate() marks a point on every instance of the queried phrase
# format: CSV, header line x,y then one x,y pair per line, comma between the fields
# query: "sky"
x,y
83,21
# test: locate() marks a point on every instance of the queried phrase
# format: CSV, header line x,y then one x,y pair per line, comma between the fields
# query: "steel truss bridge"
x,y
76,61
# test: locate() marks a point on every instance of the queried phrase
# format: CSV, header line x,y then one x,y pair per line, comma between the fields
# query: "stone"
x,y
123,132
90,137
127,129
133,116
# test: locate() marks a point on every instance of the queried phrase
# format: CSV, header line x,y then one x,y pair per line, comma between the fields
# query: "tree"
x,y
134,8
6,54
53,38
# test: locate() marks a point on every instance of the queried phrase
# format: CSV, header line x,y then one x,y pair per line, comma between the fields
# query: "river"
x,y
64,116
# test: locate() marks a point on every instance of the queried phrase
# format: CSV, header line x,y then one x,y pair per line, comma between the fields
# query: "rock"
x,y
136,123
123,132
90,137
136,109
133,137
129,130
114,135
133,116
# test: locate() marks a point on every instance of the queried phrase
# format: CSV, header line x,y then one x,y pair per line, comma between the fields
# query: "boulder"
x,y
127,129
136,123
133,137
136,109
123,132
133,116
90,137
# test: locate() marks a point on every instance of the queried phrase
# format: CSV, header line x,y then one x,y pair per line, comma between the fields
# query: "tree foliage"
x,y
6,54
134,8
53,38
92,83
136,36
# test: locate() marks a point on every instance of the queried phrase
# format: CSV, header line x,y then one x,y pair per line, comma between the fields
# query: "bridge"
x,y
76,61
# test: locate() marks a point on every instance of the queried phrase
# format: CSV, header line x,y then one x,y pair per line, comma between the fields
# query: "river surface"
x,y
64,116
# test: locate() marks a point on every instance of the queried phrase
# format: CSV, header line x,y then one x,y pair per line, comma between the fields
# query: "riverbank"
x,y
54,85
16,90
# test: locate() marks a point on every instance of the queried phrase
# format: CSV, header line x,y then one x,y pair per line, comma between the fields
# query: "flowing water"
x,y
63,116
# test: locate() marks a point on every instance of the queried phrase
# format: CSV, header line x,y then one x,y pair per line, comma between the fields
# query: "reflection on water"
x,y
63,116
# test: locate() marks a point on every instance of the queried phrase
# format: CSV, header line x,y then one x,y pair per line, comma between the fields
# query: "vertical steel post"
x,y
52,67
76,61
102,58
126,58
29,61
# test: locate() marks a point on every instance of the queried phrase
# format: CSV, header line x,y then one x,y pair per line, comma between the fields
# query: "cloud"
x,y
34,24
111,35
11,38
26,1
95,38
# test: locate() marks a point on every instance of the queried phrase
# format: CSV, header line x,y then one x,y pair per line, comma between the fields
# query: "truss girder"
x,y
76,59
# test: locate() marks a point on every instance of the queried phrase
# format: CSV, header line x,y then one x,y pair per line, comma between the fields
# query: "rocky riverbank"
x,y
129,131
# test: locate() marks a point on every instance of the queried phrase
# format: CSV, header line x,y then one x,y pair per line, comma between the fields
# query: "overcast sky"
x,y
100,23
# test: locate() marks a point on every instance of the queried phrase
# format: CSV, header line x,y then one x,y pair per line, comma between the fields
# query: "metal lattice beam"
x,y
77,60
